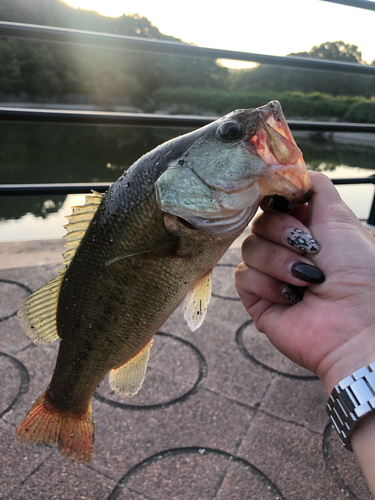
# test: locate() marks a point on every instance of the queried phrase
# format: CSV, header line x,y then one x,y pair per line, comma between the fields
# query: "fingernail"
x,y
303,241
279,203
292,293
307,272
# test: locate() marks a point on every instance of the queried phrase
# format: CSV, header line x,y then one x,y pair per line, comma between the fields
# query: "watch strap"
x,y
352,399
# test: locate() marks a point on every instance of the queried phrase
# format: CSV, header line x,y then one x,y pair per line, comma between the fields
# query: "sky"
x,y
276,27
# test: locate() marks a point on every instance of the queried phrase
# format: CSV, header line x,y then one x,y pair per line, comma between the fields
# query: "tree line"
x,y
50,72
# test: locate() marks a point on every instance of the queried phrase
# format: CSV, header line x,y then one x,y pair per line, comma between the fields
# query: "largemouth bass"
x,y
133,255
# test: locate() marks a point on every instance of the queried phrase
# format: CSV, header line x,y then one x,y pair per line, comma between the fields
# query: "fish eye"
x,y
230,131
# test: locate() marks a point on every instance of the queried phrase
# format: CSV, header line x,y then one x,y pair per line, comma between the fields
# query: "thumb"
x,y
326,204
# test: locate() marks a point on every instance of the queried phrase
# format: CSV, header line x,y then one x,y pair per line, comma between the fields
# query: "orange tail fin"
x,y
73,433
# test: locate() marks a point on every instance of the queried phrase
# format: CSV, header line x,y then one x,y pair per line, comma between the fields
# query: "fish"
x,y
133,254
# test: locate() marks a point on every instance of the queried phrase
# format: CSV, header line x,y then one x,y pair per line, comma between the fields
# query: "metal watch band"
x,y
352,399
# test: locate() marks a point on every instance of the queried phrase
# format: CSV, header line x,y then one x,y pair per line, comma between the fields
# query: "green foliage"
x,y
361,112
335,51
295,104
307,81
45,70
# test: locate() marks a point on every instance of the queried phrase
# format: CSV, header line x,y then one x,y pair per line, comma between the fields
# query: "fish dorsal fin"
x,y
128,379
78,223
37,314
197,300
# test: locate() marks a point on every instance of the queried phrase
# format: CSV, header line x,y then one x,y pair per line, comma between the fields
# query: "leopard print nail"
x,y
293,294
303,241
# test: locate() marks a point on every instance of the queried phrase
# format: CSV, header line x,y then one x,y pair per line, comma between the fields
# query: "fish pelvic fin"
x,y
128,378
197,300
74,433
79,221
37,315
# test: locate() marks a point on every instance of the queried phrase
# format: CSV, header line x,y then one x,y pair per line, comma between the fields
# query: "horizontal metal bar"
x,y
101,187
74,117
52,189
122,42
356,180
361,4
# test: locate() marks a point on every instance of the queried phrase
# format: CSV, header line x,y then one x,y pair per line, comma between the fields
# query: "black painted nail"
x,y
279,203
307,272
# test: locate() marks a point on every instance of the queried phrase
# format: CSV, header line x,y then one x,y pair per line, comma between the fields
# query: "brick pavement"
x,y
221,414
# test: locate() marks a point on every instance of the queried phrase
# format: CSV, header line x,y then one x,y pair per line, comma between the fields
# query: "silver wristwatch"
x,y
351,400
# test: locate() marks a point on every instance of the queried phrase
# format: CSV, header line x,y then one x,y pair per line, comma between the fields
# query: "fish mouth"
x,y
272,140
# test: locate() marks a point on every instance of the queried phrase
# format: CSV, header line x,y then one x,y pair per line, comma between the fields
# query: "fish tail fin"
x,y
74,433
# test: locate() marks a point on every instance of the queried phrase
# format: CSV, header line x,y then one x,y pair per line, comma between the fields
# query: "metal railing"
x,y
121,42
361,4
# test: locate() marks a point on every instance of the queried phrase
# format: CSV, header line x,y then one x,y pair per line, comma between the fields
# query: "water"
x,y
45,153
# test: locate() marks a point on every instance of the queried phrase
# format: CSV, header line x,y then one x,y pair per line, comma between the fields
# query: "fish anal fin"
x,y
79,221
37,314
197,300
128,378
74,433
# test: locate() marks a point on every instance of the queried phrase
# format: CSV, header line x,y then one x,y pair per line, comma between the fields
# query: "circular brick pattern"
x,y
343,466
14,379
256,347
13,294
175,370
193,472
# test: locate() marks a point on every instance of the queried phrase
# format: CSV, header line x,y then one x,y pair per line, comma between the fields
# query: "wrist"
x,y
348,358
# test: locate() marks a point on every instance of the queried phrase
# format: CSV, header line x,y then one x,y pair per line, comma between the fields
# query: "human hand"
x,y
331,331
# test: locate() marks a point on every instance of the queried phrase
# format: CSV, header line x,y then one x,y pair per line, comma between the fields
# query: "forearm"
x,y
363,444
363,437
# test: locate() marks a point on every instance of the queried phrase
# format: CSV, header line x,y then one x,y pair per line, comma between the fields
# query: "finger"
x,y
287,231
279,262
253,285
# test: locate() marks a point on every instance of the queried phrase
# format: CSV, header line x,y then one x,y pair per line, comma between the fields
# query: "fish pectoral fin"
x,y
160,247
197,300
37,314
128,379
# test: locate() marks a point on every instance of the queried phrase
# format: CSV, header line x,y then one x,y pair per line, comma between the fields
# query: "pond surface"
x,y
47,153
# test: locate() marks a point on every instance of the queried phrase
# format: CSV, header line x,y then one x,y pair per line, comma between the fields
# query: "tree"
x,y
43,70
283,79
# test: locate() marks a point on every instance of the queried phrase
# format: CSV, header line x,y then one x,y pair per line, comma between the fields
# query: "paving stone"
x,y
32,277
11,379
13,295
248,423
39,362
12,337
291,457
240,483
124,438
299,401
18,460
59,478
185,476
174,368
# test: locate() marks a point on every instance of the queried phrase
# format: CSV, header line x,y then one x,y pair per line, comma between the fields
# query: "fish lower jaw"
x,y
224,226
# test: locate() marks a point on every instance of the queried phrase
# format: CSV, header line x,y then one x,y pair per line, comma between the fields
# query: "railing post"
x,y
371,217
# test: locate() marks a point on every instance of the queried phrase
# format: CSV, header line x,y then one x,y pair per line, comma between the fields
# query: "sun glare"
x,y
265,27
